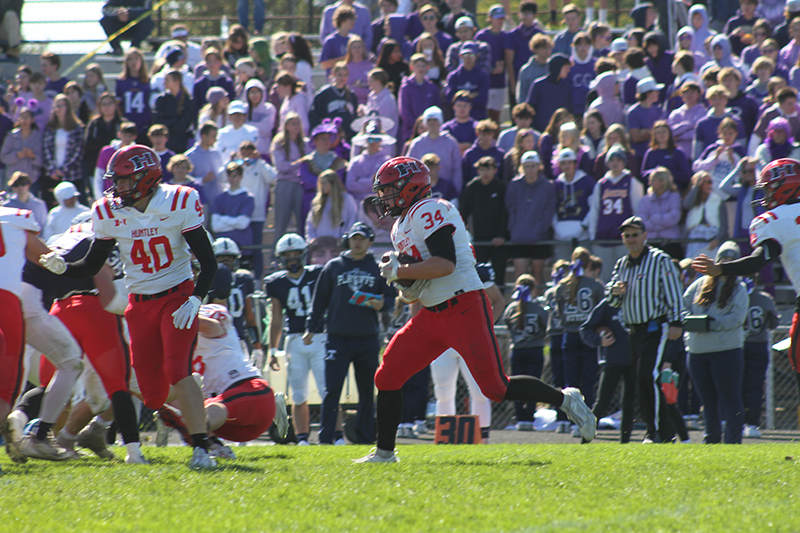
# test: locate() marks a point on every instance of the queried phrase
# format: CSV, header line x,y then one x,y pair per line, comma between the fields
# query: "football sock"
x,y
199,440
44,429
125,416
102,422
390,413
531,389
133,449
31,402
302,436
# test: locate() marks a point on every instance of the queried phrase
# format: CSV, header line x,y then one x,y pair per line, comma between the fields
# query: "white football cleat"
x,y
69,445
580,414
751,432
303,443
133,459
378,456
220,451
93,437
340,442
45,449
281,419
12,437
202,460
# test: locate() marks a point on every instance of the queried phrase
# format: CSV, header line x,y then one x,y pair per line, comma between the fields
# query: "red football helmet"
x,y
405,180
780,181
135,162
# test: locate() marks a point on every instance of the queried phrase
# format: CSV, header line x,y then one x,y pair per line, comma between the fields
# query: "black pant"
x,y
340,352
646,357
498,257
415,396
526,362
135,35
610,375
756,360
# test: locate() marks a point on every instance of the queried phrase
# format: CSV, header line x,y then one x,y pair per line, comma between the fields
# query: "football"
x,y
404,259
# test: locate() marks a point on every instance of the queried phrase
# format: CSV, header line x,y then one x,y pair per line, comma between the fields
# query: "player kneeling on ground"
x,y
240,404
456,312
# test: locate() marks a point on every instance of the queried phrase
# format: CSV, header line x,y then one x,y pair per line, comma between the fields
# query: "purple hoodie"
x,y
580,77
705,132
413,100
661,215
606,102
474,80
683,121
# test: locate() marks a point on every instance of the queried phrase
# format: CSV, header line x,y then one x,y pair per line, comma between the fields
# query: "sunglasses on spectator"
x,y
429,17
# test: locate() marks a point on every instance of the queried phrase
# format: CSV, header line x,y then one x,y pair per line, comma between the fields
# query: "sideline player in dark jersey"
x,y
292,291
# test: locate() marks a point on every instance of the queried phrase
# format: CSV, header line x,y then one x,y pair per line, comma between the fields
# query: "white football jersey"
x,y
781,224
153,249
14,225
221,360
409,234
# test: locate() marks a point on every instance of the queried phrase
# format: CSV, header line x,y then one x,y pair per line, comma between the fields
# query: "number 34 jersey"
x,y
420,222
155,254
295,295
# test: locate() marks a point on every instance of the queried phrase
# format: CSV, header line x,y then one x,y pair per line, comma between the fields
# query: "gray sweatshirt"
x,y
726,330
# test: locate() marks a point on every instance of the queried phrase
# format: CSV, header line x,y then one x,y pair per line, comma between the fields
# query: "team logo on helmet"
x,y
407,168
142,161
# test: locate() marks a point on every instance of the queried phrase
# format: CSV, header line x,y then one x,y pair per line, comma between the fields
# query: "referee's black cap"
x,y
633,222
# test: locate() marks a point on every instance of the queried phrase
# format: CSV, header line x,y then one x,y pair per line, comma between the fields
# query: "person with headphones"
x,y
351,291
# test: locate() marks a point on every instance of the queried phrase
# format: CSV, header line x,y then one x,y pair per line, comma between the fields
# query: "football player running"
x,y
291,291
456,312
157,227
774,233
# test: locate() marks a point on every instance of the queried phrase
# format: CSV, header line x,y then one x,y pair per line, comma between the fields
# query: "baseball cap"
x,y
616,151
433,113
237,107
729,251
359,228
648,84
468,47
497,12
567,154
179,32
793,6
65,190
621,45
464,22
530,157
633,222
569,127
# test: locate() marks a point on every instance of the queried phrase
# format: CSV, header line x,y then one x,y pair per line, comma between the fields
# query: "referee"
x,y
645,284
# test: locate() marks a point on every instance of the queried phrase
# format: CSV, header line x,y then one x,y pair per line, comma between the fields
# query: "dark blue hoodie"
x,y
548,93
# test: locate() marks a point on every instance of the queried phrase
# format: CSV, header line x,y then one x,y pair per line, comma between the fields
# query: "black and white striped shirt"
x,y
654,288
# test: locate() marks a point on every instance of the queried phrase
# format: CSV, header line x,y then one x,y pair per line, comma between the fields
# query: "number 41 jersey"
x,y
295,295
155,254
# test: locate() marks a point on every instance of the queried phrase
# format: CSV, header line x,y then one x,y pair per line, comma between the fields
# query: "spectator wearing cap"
x,y
483,207
619,47
641,117
175,60
683,120
462,125
258,179
315,163
457,11
607,103
497,39
531,205
117,14
21,197
417,93
573,190
175,109
486,132
520,47
335,100
465,33
645,285
467,77
213,77
440,187
352,327
194,53
440,143
232,210
551,92
542,47
572,22
716,359
362,26
215,109
362,168
614,199
231,136
59,219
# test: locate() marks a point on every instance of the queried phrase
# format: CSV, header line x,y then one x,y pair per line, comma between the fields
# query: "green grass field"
x,y
599,487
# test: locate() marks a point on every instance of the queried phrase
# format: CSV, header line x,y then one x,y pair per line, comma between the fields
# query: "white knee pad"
x,y
303,359
444,373
479,404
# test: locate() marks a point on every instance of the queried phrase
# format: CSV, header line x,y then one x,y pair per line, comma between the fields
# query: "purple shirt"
x,y
474,154
361,173
615,202
205,161
444,189
413,100
642,118
580,76
683,121
675,161
498,42
519,41
134,98
235,205
474,80
531,208
334,46
363,25
446,147
463,132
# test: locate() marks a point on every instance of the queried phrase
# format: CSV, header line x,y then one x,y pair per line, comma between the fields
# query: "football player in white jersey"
x,y
18,242
456,312
157,227
774,233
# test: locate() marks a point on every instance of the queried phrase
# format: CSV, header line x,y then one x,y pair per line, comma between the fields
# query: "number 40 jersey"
x,y
295,295
155,254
